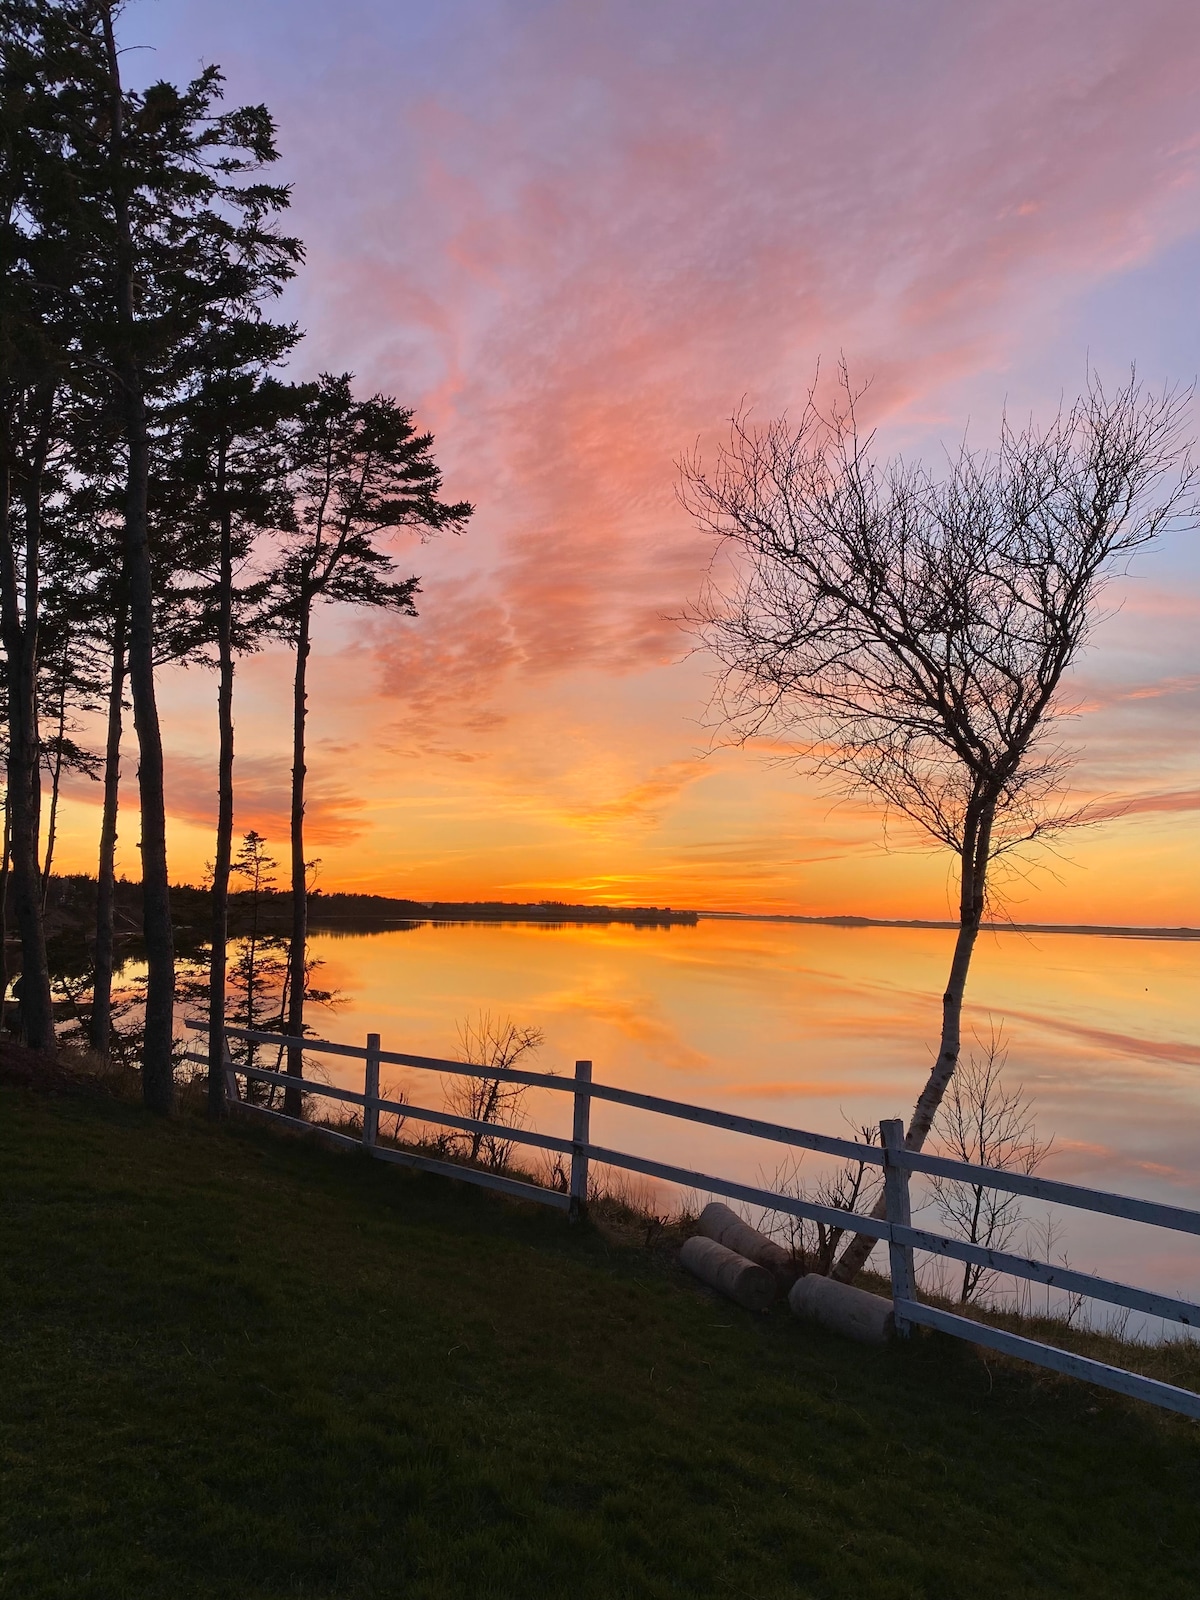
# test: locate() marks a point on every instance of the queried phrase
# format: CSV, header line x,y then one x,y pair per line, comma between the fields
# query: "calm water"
x,y
820,1027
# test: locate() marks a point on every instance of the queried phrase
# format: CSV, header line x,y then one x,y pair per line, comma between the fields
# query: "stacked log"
x,y
718,1222
739,1280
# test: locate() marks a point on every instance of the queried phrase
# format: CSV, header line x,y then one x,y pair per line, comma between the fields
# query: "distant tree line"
x,y
166,494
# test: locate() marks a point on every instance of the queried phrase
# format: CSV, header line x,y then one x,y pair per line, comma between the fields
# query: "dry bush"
x,y
497,1044
984,1122
852,1186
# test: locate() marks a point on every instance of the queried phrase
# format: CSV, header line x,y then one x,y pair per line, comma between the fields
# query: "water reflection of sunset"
x,y
820,1026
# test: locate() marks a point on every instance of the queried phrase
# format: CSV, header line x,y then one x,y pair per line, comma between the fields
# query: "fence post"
x,y
371,1093
580,1134
895,1195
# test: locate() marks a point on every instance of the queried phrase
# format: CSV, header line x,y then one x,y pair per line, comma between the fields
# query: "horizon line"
x,y
1099,929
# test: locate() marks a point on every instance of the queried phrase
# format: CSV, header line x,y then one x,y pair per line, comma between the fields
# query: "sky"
x,y
576,237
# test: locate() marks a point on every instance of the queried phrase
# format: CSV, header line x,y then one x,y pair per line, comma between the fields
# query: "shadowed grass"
x,y
238,1365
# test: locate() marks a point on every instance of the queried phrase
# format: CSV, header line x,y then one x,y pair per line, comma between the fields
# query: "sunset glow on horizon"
x,y
576,239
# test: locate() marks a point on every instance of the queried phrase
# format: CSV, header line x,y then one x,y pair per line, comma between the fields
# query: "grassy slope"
x,y
240,1366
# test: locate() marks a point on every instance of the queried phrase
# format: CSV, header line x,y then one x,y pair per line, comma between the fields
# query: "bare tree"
x,y
849,1186
984,1122
499,1044
911,632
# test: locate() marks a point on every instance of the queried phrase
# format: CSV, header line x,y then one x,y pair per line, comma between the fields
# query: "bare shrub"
x,y
555,1171
392,1122
624,1191
852,1186
495,1043
984,1122
1058,1305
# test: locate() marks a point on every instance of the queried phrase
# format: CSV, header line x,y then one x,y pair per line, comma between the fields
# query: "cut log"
x,y
843,1309
742,1281
718,1222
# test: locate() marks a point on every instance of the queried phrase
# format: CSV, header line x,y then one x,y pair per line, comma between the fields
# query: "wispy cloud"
x,y
645,799
1166,800
334,814
576,238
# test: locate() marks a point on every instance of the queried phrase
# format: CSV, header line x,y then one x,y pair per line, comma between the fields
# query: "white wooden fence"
x,y
895,1227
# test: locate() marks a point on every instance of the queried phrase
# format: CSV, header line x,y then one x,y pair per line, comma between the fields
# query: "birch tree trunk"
x,y
972,891
100,1023
292,1102
158,1084
223,851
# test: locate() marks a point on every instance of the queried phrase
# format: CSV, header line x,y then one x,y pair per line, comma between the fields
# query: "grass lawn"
x,y
239,1365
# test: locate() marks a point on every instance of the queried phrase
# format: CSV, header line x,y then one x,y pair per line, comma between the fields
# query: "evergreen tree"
x,y
230,486
41,260
362,472
192,240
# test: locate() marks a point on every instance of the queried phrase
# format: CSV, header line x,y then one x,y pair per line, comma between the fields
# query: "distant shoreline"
x,y
72,902
1097,930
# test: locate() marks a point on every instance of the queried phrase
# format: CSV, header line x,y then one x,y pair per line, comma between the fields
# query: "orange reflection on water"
x,y
817,1027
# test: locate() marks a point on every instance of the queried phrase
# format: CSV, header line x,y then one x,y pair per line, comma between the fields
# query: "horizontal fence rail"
x,y
799,1137
1047,1355
1064,1194
895,1228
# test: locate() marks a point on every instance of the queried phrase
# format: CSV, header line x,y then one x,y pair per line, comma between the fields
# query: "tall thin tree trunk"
x,y
292,1102
55,784
100,1025
223,852
972,892
158,1083
24,751
252,978
4,873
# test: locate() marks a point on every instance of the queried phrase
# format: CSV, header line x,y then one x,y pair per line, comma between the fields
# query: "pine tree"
x,y
362,472
234,440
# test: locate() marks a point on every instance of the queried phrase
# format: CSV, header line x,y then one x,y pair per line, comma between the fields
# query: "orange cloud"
x,y
333,814
646,798
576,253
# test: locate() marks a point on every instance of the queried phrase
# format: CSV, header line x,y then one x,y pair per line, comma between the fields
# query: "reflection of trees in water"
x,y
71,959
355,928
257,962
258,972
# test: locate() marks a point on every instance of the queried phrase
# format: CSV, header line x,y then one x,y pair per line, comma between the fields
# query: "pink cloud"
x,y
448,666
1169,801
576,237
614,240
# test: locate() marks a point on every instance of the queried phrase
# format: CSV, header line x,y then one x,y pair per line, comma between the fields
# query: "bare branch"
x,y
913,632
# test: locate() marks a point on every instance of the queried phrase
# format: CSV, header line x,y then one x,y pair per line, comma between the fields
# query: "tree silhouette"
x,y
362,472
235,440
914,631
